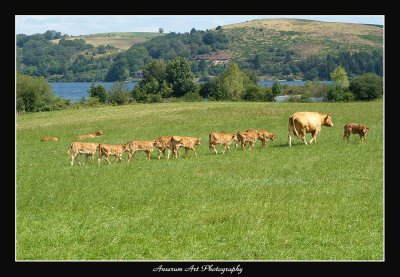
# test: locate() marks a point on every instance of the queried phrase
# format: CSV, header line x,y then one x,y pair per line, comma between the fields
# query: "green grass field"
x,y
317,202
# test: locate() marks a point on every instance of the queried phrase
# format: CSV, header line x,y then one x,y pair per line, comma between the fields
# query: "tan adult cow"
x,y
95,135
87,148
301,123
141,145
354,128
250,136
221,138
264,136
164,144
108,150
187,142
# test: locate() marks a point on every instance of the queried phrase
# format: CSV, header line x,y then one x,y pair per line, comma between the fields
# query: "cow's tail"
x,y
294,126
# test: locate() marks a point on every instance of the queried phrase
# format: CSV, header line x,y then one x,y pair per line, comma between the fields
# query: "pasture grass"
x,y
317,202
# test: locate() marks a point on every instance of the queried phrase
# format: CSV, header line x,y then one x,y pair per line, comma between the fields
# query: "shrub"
x,y
339,94
154,98
93,101
368,86
98,92
119,94
33,94
192,97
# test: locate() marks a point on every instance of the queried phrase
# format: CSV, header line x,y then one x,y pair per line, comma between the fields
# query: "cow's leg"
x,y
214,147
303,136
290,134
194,150
159,153
251,144
106,158
168,152
148,152
72,158
314,137
244,144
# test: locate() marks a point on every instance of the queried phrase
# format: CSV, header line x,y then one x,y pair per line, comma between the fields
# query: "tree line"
x,y
75,60
174,81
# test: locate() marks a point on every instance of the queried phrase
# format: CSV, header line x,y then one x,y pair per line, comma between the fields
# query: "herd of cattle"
x,y
300,123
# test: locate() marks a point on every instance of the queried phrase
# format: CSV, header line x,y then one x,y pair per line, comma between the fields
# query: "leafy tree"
x,y
179,75
339,77
368,86
336,93
160,30
98,92
232,82
119,94
276,89
119,71
257,62
33,94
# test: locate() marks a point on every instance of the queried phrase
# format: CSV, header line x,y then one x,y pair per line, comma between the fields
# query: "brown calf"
x,y
136,145
108,150
353,128
265,136
164,144
221,138
249,136
187,142
86,148
95,135
49,139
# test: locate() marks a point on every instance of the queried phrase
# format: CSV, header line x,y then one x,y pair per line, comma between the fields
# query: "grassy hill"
x,y
304,37
120,40
308,202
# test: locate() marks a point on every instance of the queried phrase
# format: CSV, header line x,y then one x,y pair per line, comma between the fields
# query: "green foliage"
x,y
93,101
119,94
276,88
98,92
368,86
339,77
256,93
33,94
155,98
192,97
337,93
179,75
232,82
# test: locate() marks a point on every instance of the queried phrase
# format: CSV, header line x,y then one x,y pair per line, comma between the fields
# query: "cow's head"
x,y
125,147
99,133
364,129
234,137
328,120
272,136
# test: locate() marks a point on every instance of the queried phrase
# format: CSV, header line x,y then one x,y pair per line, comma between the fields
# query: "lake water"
x,y
74,91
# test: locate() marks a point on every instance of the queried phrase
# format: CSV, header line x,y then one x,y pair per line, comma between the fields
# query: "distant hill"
x,y
120,40
288,49
304,37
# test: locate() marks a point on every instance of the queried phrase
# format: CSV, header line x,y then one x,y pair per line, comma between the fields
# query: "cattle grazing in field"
x,y
87,148
95,135
49,139
163,145
301,123
264,136
144,145
187,142
108,150
354,128
250,136
215,138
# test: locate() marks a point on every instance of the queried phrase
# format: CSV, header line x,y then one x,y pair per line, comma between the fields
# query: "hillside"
x,y
304,37
120,40
288,49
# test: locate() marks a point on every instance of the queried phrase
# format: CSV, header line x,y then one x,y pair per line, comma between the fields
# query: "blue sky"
x,y
91,24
